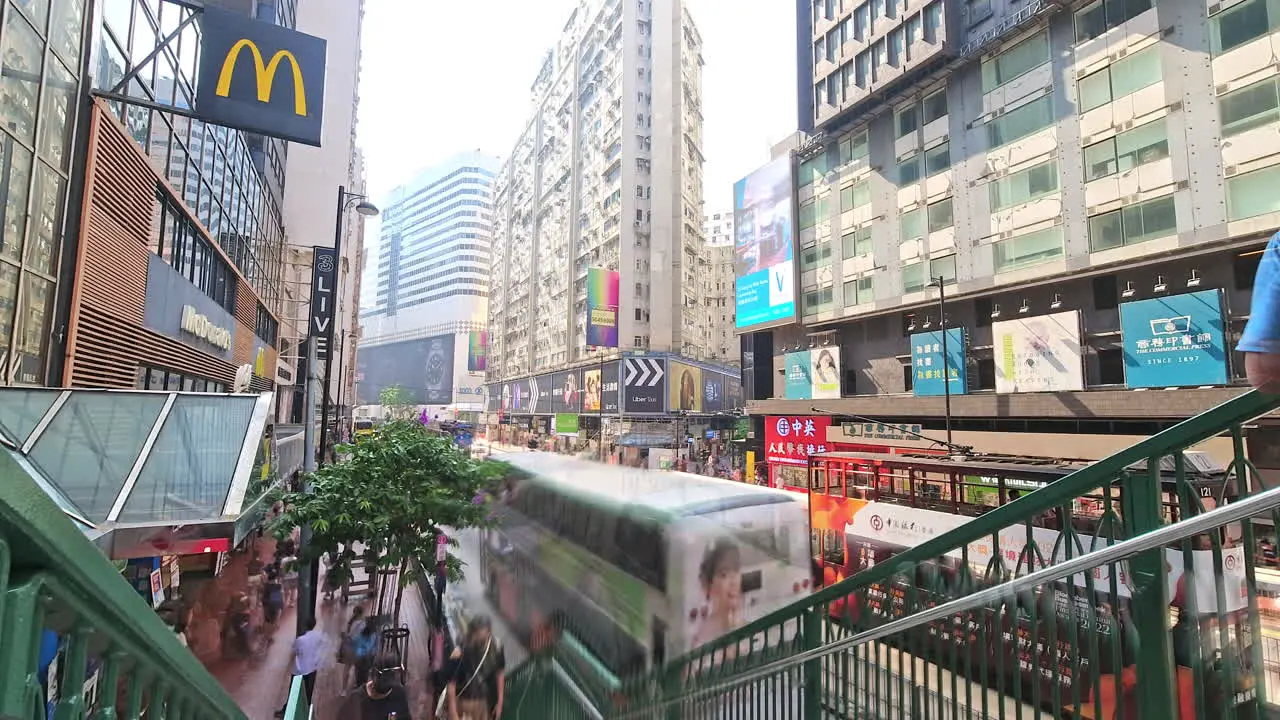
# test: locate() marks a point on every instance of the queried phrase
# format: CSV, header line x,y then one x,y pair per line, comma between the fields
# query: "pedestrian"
x,y
346,647
289,579
308,652
253,583
272,596
476,689
1260,341
381,697
364,648
236,633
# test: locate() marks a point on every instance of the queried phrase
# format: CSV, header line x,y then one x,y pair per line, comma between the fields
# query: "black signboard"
x,y
423,368
712,391
566,392
644,385
324,280
438,371
609,388
260,77
733,396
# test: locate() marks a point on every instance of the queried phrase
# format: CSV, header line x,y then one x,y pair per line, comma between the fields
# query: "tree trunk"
x,y
399,592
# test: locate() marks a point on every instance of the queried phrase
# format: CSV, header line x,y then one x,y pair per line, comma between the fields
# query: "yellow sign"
x,y
264,74
260,363
751,466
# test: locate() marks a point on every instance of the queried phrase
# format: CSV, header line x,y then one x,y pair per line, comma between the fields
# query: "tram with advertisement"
x,y
1070,644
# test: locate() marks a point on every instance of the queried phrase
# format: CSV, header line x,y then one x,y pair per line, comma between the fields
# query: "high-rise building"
x,y
608,173
716,292
313,176
1089,183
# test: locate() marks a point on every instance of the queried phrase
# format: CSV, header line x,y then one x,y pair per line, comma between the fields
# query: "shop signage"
x,y
324,280
881,431
566,424
930,365
282,97
1174,341
193,323
284,373
791,440
1008,24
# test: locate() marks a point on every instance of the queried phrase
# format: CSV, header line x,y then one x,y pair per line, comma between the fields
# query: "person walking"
x,y
272,596
308,653
364,647
253,582
289,579
346,649
380,697
477,681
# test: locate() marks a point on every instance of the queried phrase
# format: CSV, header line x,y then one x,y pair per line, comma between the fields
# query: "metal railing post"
x,y
813,669
1149,606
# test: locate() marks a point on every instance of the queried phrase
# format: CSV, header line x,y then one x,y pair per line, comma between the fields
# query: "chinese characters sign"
x,y
1039,354
791,440
930,366
881,431
1174,341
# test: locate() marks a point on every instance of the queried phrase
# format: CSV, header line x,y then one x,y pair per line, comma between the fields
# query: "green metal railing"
x,y
119,660
1098,644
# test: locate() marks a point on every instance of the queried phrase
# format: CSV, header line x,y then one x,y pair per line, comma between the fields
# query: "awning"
x,y
148,473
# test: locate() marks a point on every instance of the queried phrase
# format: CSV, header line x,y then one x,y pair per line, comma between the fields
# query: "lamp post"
x,y
366,209
939,283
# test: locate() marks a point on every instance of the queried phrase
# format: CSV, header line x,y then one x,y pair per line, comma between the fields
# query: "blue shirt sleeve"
x,y
1262,332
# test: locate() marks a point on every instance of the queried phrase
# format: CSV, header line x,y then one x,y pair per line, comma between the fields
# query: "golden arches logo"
x,y
265,74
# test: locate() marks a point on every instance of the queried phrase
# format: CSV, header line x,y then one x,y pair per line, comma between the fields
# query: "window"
x,y
1027,250
896,53
1253,193
908,120
937,159
909,170
912,225
1024,185
940,215
1249,107
943,267
934,106
1242,24
853,147
861,21
932,22
856,242
1134,224
819,50
813,169
862,68
979,10
1020,122
1016,61
1098,17
913,277
817,300
808,215
859,292
1120,78
811,258
854,196
1139,146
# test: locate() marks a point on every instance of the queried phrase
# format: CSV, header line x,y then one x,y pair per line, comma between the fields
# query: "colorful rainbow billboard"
x,y
478,351
602,307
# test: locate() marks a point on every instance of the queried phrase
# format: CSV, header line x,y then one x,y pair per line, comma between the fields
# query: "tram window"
x,y
835,481
833,546
819,483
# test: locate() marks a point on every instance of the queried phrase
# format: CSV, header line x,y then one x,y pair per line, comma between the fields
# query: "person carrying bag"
x,y
476,687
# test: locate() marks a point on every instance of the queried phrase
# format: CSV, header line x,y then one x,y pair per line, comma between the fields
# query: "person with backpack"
x,y
364,650
477,680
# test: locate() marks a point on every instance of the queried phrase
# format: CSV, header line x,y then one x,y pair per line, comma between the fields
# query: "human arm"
x,y
500,679
1260,341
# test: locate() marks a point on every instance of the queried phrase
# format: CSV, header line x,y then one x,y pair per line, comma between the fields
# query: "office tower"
x,y
607,173
716,296
429,284
1085,186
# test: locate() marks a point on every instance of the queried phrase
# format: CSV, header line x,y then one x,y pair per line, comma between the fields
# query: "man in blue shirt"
x,y
1260,341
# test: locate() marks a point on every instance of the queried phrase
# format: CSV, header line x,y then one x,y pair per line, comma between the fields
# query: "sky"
x,y
444,77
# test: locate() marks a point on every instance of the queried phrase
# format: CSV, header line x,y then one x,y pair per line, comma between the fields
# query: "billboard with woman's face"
x,y
685,387
764,265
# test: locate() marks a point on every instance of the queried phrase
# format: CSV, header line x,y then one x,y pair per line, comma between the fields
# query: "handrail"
x,y
1191,431
1235,512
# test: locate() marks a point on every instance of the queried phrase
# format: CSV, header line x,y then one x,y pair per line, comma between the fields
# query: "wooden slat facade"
x,y
108,342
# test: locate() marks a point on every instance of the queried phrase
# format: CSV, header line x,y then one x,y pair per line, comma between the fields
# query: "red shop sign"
x,y
792,439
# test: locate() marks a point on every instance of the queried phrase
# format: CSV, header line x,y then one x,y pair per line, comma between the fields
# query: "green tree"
x,y
397,402
392,494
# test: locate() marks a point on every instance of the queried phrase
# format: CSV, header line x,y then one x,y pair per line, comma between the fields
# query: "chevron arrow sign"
x,y
644,385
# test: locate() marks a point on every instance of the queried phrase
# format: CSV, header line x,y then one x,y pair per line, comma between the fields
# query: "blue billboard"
x,y
799,381
929,368
763,246
1174,341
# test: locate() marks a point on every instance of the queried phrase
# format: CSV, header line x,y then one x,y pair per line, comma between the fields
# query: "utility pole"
x,y
946,357
309,574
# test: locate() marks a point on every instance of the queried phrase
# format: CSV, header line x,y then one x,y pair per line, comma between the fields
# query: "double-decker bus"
x,y
1063,642
639,565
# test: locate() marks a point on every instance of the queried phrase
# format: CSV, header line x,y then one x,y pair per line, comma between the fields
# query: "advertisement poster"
x,y
764,249
591,389
478,351
567,424
1039,354
609,396
602,307
799,385
686,388
535,400
1174,341
644,385
826,372
712,391
423,368
791,440
566,392
929,367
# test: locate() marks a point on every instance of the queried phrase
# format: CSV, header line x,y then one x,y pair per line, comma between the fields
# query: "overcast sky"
x,y
443,77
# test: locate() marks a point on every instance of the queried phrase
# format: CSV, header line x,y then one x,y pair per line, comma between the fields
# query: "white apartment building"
x,y
608,173
312,178
716,294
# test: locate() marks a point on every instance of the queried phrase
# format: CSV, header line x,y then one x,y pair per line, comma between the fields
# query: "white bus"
x,y
641,565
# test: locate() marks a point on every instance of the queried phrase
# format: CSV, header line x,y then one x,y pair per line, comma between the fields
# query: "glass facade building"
x,y
42,42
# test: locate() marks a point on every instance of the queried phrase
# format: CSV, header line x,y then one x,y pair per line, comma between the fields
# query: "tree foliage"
x,y
392,493
396,402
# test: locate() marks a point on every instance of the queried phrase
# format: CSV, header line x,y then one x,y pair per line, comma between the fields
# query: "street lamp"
x,y
940,283
346,200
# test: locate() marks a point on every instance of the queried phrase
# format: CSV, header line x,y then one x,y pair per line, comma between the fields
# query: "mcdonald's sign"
x,y
260,77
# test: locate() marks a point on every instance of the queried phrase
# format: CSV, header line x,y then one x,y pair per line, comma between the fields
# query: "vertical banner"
x,y
602,307
1175,341
826,372
799,384
1039,354
930,366
591,390
437,378
324,280
609,395
685,387
478,351
764,262
644,384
